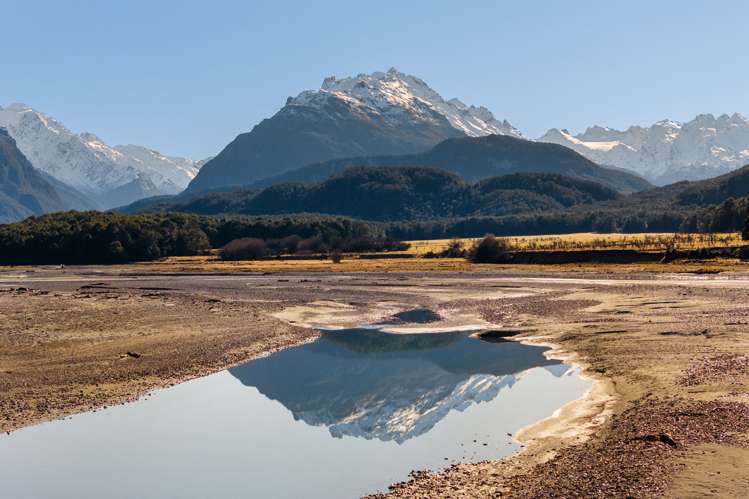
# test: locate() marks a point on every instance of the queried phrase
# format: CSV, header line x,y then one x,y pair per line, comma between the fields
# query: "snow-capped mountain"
x,y
383,113
23,189
667,151
398,96
86,163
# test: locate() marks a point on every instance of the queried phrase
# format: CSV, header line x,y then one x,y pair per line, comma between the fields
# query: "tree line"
x,y
101,238
95,237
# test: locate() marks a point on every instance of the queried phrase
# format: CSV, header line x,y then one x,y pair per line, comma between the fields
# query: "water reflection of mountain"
x,y
372,384
559,370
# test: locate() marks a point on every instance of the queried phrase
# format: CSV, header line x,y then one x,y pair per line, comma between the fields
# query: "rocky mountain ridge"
x,y
668,151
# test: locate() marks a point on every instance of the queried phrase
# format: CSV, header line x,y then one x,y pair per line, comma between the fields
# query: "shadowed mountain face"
x,y
363,382
476,158
88,171
299,135
23,189
380,113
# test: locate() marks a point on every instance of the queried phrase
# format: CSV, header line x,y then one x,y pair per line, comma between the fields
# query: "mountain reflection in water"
x,y
376,385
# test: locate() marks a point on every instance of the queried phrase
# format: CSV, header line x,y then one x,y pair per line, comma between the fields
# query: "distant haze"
x,y
186,77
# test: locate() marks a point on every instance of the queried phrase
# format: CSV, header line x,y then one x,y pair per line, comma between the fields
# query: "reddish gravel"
x,y
637,457
716,368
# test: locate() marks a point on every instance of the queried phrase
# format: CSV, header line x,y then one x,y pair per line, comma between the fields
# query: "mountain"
x,y
90,166
699,193
399,194
71,198
23,189
667,151
475,158
389,387
378,114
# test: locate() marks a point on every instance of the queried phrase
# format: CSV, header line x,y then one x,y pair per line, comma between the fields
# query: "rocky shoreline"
x,y
668,355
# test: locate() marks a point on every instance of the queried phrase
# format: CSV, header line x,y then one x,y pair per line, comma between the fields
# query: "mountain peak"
x,y
376,114
669,123
706,117
597,132
90,137
86,162
392,92
555,133
667,151
17,106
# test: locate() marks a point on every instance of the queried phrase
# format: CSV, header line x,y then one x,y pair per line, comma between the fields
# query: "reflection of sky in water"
x,y
345,415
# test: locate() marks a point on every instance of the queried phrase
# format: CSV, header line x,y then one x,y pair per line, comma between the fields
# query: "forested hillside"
x,y
401,193
477,158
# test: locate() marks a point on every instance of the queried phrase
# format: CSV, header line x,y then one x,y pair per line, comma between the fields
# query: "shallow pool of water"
x,y
348,414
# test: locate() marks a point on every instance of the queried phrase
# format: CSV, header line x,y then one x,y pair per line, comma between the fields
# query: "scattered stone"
x,y
704,332
620,465
664,438
716,368
134,355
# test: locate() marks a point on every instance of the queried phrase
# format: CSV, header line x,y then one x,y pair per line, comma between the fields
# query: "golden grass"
x,y
564,242
591,241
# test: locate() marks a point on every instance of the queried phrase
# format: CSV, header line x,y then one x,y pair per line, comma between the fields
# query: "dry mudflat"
x,y
668,414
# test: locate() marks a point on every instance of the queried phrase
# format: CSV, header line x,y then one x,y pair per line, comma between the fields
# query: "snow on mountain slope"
x,y
86,162
398,96
179,171
402,418
667,151
381,114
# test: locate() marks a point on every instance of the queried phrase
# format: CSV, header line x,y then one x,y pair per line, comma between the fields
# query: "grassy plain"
x,y
592,241
415,261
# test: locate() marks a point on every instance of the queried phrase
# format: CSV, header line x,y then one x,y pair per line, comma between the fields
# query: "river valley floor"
x,y
668,414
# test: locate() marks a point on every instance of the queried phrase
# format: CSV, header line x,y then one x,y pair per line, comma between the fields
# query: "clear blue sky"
x,y
186,77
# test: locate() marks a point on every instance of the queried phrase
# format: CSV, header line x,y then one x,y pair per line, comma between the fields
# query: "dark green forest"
x,y
372,205
398,194
95,237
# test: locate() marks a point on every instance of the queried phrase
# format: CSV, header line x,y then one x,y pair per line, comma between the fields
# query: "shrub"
x,y
742,253
247,248
455,249
356,245
394,245
289,244
312,245
489,250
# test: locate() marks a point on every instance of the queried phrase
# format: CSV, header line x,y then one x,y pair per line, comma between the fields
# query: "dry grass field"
x,y
592,241
415,262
